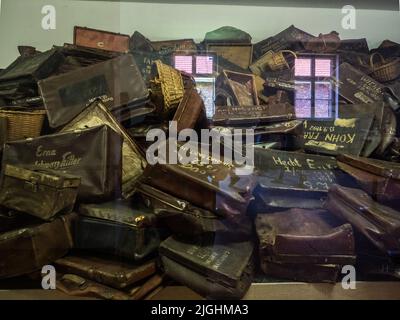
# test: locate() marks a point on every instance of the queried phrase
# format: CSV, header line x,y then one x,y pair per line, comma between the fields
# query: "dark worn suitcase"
x,y
234,88
357,87
337,136
253,115
190,110
139,42
93,154
133,162
28,249
214,270
382,130
100,39
76,286
117,228
117,82
291,38
240,54
293,179
217,186
19,80
12,220
106,270
41,193
357,45
324,43
305,237
186,220
168,47
380,179
380,224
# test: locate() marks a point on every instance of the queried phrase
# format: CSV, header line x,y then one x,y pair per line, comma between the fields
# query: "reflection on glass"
x,y
302,67
184,63
303,108
204,65
303,90
323,90
323,68
322,108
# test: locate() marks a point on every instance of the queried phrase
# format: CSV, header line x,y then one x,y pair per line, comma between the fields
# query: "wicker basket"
x,y
22,123
384,70
167,84
277,61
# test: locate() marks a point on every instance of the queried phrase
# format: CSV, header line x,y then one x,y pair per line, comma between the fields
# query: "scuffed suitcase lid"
x,y
119,211
217,261
379,167
294,171
117,82
50,178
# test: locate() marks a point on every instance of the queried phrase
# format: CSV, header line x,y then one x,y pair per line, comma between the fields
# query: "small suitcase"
x,y
214,270
133,162
380,224
115,228
28,249
75,153
117,82
41,193
216,186
107,271
100,39
253,115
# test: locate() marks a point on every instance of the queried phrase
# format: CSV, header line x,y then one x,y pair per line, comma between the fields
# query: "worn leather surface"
x,y
39,193
100,39
116,228
189,110
28,249
186,220
117,82
304,236
380,224
133,162
93,154
215,187
216,270
253,115
106,270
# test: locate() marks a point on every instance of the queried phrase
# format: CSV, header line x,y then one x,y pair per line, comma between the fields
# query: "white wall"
x,y
20,21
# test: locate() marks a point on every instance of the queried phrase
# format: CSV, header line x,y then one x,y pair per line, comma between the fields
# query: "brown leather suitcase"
x,y
106,270
213,186
92,154
380,224
28,249
189,111
133,162
99,39
235,88
77,286
305,237
171,46
117,82
41,193
253,115
380,179
186,220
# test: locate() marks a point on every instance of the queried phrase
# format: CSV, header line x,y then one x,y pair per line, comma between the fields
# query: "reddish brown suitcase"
x,y
108,271
99,39
380,179
190,110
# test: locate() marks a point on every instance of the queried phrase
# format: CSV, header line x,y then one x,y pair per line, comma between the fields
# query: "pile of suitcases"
x,y
78,193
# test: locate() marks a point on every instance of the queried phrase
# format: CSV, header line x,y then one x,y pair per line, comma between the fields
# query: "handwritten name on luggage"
x,y
68,159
